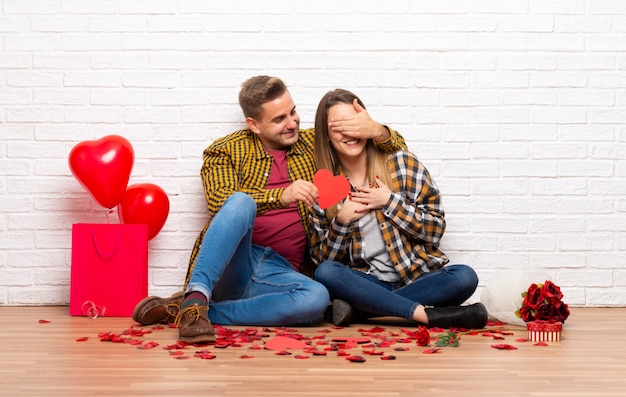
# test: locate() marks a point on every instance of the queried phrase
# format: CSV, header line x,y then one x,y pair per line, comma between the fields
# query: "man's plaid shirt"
x,y
238,163
412,224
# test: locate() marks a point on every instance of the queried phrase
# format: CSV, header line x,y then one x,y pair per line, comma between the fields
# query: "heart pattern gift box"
x,y
544,331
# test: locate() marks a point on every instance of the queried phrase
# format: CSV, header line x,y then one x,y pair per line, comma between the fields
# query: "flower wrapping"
x,y
502,296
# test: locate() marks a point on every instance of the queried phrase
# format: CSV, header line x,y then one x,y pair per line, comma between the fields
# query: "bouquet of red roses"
x,y
543,302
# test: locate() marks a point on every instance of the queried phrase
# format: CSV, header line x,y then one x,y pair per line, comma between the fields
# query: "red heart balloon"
x,y
147,204
331,189
103,167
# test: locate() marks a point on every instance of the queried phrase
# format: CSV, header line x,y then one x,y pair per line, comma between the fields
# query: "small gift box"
x,y
544,331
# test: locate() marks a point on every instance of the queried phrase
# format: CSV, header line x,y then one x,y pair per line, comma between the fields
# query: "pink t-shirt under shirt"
x,y
281,229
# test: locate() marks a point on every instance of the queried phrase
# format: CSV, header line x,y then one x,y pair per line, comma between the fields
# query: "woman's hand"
x,y
371,197
363,200
350,211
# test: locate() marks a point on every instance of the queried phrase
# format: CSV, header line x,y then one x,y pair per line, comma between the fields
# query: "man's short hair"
x,y
258,90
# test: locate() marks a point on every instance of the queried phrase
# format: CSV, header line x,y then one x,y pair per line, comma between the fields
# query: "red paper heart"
x,y
283,343
103,167
331,189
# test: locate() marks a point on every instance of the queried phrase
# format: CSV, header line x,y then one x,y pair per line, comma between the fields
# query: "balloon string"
x,y
110,211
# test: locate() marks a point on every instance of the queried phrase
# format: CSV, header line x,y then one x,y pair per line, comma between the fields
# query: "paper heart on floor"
x,y
332,189
283,343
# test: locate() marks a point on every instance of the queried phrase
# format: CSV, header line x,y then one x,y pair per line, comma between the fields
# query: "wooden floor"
x,y
46,358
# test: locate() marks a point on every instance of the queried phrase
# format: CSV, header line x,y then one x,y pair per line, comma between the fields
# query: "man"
x,y
249,260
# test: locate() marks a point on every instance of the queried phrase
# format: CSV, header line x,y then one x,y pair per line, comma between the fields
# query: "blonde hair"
x,y
325,154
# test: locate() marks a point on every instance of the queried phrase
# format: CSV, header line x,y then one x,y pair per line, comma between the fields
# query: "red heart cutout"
x,y
103,167
283,343
332,189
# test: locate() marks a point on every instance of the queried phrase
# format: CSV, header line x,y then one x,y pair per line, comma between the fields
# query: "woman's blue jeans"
x,y
450,286
249,284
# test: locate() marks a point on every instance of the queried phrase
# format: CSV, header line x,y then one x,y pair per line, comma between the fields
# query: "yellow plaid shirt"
x,y
412,224
238,162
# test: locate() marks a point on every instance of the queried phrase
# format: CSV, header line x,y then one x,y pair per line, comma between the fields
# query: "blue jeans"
x,y
249,284
450,286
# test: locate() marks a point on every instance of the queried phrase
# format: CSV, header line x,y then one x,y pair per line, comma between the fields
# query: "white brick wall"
x,y
518,108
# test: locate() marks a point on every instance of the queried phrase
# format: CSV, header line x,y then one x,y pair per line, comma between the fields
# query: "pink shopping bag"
x,y
109,273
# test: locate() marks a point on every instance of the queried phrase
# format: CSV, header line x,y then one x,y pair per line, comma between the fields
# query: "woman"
x,y
377,251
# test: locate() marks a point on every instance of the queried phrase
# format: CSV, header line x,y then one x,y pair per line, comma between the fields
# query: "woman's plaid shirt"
x,y
412,224
238,163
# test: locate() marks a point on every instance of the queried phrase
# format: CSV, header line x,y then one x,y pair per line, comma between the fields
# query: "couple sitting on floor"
x,y
375,254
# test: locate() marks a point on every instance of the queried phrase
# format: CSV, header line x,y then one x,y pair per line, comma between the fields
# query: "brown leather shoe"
x,y
194,325
152,310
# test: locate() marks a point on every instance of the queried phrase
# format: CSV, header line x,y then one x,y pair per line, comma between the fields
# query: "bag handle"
x,y
106,257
